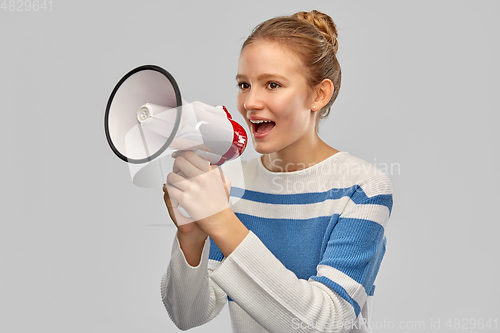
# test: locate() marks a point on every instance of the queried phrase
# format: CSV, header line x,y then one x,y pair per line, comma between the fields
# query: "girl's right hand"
x,y
191,237
185,230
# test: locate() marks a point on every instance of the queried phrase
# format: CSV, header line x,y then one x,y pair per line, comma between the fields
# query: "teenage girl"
x,y
298,247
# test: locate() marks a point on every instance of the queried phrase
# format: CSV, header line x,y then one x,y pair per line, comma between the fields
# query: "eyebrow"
x,y
263,76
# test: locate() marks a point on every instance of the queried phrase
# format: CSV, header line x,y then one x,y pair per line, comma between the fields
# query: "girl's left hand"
x,y
201,189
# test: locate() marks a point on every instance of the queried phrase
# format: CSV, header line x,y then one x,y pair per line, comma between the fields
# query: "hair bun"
x,y
323,23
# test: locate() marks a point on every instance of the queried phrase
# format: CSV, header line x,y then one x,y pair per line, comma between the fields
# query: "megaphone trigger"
x,y
183,211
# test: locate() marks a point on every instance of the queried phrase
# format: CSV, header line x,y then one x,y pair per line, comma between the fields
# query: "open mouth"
x,y
262,128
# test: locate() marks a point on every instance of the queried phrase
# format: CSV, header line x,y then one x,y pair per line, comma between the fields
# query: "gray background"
x,y
83,249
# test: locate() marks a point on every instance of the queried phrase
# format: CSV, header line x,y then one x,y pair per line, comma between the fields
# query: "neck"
x,y
301,155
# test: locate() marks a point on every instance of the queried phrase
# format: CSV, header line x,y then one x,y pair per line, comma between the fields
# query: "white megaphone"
x,y
146,120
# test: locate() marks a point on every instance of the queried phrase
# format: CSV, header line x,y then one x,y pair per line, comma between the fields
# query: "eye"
x,y
273,85
243,85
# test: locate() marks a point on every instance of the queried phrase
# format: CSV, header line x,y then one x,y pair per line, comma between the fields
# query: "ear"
x,y
323,93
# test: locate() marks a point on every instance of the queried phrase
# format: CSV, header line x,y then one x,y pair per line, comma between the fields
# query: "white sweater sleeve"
x,y
189,295
274,296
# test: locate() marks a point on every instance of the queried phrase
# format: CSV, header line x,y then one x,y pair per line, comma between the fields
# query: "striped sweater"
x,y
310,260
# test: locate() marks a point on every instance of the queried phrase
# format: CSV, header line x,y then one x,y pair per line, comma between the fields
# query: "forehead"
x,y
269,57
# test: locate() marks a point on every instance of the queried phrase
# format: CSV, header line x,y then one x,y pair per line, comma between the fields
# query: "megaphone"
x,y
146,120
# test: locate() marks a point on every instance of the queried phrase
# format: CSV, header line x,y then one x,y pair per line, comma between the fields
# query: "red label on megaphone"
x,y
239,141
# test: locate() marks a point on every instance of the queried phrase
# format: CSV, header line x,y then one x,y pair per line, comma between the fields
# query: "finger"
x,y
185,166
165,189
175,169
177,181
174,194
178,219
199,159
167,200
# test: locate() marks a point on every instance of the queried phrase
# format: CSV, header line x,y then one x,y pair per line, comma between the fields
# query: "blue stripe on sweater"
x,y
353,246
339,290
355,192
356,248
297,244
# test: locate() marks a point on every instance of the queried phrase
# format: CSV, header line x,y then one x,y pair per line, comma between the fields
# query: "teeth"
x,y
259,121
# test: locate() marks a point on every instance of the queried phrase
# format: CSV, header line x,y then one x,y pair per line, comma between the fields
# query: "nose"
x,y
253,100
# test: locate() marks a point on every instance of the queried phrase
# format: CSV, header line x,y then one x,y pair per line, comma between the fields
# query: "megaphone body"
x,y
207,130
146,120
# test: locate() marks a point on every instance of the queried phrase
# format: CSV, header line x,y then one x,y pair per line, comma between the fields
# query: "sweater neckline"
x,y
298,172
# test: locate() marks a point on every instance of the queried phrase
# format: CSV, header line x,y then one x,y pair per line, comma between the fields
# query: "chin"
x,y
261,149
263,152
264,149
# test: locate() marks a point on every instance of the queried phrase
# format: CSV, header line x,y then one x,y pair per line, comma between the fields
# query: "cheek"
x,y
289,108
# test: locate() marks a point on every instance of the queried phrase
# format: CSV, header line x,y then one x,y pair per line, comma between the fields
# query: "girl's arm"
x,y
189,295
334,298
